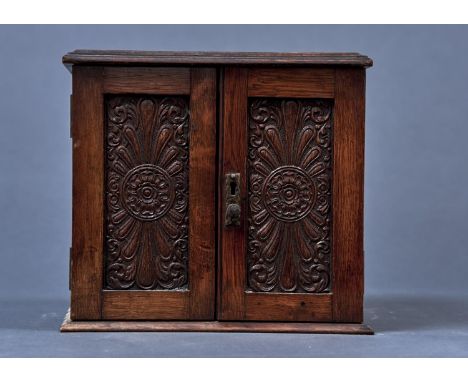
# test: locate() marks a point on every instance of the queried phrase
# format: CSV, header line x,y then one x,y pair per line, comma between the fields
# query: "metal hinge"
x,y
71,116
70,260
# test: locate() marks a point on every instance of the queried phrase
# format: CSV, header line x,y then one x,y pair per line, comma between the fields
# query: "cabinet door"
x,y
144,144
291,148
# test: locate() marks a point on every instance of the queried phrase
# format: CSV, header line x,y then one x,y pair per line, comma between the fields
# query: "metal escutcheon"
x,y
232,206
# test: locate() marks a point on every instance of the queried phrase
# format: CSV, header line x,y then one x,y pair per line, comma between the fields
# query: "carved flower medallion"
x,y
289,193
147,192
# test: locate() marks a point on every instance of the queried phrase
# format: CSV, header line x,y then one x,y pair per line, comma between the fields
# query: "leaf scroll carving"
x,y
289,184
147,144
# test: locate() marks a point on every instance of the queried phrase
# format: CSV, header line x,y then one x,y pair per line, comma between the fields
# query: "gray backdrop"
x,y
416,179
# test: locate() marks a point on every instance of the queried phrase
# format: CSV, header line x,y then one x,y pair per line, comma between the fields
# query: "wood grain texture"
x,y
289,194
288,307
198,302
69,326
234,132
147,196
122,57
202,186
165,81
292,82
88,299
273,266
348,191
145,305
88,194
220,189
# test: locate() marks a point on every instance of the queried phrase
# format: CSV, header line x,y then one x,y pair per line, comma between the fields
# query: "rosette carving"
x,y
146,192
290,172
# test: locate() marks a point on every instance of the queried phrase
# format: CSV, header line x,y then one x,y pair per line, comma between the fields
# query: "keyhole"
x,y
233,186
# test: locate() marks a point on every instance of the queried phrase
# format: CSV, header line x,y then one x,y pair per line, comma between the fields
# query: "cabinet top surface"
x,y
128,57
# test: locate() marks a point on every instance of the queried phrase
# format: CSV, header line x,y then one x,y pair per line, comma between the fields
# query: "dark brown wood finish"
x,y
165,81
202,188
289,170
88,181
252,258
154,136
288,306
234,152
212,326
123,57
159,189
277,82
147,193
301,237
138,305
348,196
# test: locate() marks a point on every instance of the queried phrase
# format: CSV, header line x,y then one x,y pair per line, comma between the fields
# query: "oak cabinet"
x,y
217,191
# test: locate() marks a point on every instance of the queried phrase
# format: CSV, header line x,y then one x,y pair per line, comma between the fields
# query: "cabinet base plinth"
x,y
213,326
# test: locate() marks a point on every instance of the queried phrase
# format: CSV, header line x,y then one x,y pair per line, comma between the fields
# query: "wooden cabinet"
x,y
217,191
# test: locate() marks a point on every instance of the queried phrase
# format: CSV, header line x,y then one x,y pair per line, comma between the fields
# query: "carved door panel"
x,y
294,140
148,252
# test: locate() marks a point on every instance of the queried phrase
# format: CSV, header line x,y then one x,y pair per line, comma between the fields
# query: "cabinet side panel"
x,y
348,192
88,181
